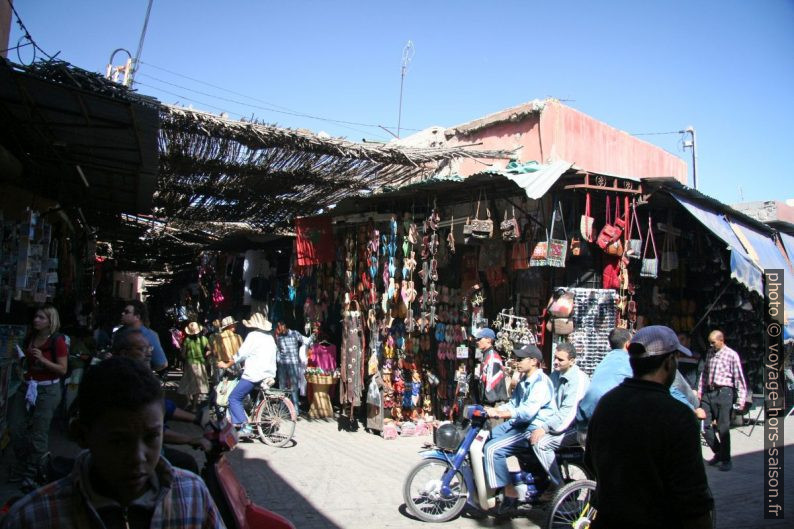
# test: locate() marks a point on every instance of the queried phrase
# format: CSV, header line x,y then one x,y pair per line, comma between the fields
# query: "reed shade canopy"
x,y
216,169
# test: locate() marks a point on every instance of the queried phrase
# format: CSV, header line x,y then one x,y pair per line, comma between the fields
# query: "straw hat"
x,y
193,328
228,321
258,321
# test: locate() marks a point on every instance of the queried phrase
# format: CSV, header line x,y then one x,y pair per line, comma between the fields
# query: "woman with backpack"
x,y
44,357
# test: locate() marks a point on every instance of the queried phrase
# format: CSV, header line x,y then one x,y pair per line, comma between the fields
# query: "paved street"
x,y
337,479
332,478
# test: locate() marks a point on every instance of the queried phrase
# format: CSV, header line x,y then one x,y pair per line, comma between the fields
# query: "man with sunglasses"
x,y
721,380
133,317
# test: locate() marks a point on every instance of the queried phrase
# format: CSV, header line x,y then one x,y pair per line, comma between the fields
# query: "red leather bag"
x,y
610,232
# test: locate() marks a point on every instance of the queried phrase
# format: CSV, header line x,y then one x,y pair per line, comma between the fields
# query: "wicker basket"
x,y
320,379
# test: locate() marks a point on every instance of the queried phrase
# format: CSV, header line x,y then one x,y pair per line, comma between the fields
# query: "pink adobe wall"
x,y
562,133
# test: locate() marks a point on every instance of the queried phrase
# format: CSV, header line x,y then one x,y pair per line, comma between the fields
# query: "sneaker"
x,y
725,466
713,461
245,431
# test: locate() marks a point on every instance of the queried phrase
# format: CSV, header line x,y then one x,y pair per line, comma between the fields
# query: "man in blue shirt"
x,y
608,374
570,384
132,317
289,343
532,398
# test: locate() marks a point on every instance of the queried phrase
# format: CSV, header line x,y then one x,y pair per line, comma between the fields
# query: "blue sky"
x,y
724,67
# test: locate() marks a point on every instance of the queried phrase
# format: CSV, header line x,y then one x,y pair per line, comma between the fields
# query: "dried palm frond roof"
x,y
217,169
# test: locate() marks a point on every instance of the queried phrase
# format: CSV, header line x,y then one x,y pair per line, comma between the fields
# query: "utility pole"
x,y
137,58
692,144
408,54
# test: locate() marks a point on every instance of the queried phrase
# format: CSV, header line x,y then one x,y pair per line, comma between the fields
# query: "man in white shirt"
x,y
259,353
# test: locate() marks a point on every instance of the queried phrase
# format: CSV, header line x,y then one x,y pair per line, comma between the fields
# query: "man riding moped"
x,y
465,467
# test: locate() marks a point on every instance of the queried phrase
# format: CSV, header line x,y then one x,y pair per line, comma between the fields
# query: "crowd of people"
x,y
121,409
637,417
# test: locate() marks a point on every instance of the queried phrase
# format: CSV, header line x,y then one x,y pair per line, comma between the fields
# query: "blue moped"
x,y
451,476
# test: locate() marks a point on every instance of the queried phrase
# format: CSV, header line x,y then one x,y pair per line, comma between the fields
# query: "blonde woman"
x,y
31,408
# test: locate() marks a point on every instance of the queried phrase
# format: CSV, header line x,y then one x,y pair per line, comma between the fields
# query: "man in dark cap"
x,y
643,445
531,399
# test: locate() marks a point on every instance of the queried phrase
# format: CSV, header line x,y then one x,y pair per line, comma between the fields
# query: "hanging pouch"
x,y
509,227
609,233
586,222
540,252
482,228
669,260
650,265
634,240
558,248
615,247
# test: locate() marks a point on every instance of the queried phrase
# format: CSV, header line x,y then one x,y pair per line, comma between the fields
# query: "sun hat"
x,y
530,351
228,321
655,340
485,332
258,321
192,328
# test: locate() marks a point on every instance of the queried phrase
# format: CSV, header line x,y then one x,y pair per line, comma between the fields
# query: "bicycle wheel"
x,y
275,420
571,508
572,471
422,492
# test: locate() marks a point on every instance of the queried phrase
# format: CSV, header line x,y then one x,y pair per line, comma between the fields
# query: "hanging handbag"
x,y
558,248
609,233
509,227
586,222
560,326
467,227
669,260
540,250
634,246
561,303
482,228
610,278
650,265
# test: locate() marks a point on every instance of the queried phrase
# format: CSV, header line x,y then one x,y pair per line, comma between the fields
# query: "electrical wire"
x,y
283,110
26,35
205,104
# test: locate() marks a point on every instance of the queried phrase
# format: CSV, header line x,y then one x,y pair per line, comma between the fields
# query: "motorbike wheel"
x,y
570,507
422,494
275,420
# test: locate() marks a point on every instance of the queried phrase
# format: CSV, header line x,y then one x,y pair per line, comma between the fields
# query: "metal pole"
x,y
691,130
135,61
408,53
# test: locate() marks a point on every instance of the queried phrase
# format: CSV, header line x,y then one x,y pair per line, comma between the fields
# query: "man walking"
x,y
643,446
721,377
551,433
289,343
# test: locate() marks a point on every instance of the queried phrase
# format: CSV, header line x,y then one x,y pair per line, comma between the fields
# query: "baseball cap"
x,y
655,340
485,332
530,351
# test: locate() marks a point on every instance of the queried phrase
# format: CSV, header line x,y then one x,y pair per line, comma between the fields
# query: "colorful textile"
x,y
194,349
315,241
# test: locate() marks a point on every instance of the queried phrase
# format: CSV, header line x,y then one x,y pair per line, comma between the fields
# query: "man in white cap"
x,y
643,445
259,353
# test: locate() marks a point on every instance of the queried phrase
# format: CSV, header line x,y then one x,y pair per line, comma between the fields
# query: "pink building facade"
x,y
546,131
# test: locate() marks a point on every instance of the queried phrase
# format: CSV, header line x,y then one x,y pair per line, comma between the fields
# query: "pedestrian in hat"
x,y
259,354
226,342
532,399
493,389
643,445
195,350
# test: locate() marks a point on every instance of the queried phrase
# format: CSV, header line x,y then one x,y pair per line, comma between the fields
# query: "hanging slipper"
x,y
405,294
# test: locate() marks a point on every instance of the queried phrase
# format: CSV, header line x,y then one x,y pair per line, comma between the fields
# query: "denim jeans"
x,y
236,397
289,378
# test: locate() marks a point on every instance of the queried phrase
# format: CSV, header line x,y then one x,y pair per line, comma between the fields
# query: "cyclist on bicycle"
x,y
259,353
